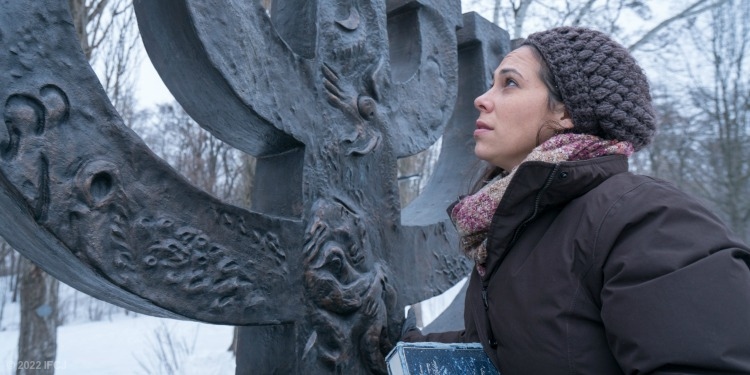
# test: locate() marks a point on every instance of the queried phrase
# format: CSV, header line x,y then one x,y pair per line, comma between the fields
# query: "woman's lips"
x,y
481,128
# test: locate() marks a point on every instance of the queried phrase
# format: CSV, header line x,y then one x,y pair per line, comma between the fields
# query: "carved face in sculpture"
x,y
351,294
514,116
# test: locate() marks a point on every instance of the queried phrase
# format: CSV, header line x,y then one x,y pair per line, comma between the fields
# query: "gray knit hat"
x,y
602,86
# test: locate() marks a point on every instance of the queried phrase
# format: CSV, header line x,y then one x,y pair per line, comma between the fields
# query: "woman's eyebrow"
x,y
510,71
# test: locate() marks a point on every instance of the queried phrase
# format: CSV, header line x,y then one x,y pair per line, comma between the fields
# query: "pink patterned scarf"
x,y
473,214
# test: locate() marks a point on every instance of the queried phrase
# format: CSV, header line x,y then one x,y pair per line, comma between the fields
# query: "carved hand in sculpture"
x,y
361,109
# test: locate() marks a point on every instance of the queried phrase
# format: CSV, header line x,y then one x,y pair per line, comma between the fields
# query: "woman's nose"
x,y
481,103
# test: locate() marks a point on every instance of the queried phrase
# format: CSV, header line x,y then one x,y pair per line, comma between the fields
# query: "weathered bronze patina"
x,y
327,94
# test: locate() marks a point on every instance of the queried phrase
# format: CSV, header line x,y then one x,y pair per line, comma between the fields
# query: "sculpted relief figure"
x,y
327,94
343,280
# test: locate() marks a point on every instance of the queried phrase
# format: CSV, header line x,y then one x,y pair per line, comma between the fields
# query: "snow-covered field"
x,y
119,343
101,339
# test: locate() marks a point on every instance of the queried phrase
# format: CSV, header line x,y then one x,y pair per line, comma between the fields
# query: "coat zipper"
x,y
485,283
491,341
536,206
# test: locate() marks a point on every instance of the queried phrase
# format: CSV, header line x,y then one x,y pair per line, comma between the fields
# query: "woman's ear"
x,y
565,120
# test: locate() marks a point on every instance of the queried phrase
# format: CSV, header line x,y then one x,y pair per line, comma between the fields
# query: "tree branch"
x,y
689,12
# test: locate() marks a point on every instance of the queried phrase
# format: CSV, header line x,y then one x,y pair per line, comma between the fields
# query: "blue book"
x,y
433,358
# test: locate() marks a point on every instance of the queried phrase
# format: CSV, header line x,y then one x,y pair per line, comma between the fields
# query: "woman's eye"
x,y
510,82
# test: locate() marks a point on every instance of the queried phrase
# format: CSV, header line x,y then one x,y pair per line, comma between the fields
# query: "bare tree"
x,y
720,93
203,159
703,140
37,339
6,252
118,59
672,155
109,38
513,15
688,13
90,23
520,17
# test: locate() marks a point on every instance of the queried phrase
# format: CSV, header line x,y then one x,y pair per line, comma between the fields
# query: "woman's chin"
x,y
482,153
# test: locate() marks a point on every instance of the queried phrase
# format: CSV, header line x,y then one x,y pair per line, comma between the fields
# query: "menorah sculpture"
x,y
326,94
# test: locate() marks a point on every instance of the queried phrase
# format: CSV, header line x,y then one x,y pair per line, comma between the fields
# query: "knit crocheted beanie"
x,y
604,90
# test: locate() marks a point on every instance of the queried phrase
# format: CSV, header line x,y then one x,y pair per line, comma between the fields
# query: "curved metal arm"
x,y
425,85
83,197
247,91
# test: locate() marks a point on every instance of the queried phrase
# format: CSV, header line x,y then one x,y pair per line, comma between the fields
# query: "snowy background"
x,y
101,339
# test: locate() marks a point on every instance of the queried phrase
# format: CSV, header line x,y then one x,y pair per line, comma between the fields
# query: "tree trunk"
x,y
15,263
37,339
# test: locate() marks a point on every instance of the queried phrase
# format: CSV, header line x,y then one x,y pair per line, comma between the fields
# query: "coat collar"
x,y
538,186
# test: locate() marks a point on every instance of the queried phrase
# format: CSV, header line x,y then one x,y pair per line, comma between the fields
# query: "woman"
x,y
581,266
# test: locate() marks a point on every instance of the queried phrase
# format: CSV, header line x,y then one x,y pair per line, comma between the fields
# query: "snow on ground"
x,y
120,346
101,339
120,343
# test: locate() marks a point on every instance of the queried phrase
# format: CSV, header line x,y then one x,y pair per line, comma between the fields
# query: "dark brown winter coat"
x,y
594,270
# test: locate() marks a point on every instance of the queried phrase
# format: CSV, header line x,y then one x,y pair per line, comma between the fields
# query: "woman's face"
x,y
513,114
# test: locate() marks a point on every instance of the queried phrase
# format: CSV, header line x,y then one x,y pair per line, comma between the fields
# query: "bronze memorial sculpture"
x,y
327,94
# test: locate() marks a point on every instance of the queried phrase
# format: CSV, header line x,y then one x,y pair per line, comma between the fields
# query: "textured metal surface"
x,y
319,271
